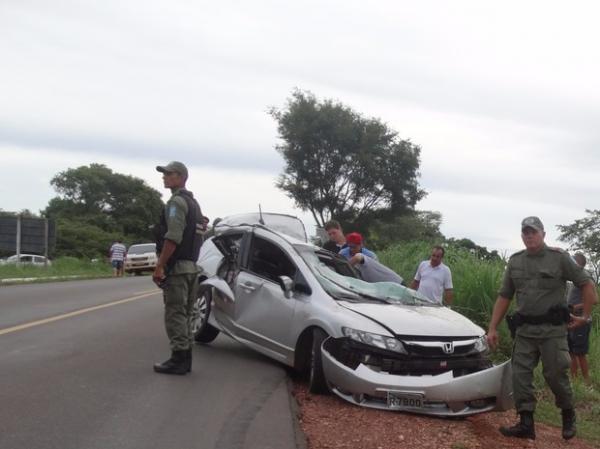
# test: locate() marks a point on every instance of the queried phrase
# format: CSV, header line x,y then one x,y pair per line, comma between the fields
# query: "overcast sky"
x,y
503,98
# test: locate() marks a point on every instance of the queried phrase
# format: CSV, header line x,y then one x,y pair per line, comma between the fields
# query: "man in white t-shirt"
x,y
433,279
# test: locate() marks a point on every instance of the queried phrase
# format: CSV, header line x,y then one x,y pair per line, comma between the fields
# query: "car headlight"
x,y
379,341
481,345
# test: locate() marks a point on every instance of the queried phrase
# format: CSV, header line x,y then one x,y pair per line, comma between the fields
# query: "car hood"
x,y
417,320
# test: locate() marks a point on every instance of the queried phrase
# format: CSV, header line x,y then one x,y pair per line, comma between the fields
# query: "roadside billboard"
x,y
27,235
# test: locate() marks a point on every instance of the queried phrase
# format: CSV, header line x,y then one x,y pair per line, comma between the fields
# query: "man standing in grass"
x,y
117,257
579,338
433,279
537,276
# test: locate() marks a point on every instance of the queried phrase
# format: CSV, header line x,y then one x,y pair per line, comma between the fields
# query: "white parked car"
x,y
27,259
140,258
378,345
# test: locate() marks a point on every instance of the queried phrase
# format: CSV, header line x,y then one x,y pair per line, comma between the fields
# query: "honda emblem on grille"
x,y
448,347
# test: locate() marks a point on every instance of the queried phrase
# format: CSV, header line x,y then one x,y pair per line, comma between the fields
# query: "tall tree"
x,y
342,165
481,252
414,226
584,235
95,201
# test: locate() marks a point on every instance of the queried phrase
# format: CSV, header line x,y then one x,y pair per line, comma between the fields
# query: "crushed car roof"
x,y
282,223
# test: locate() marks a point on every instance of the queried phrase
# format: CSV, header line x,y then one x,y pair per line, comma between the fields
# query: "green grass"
x,y
476,283
63,266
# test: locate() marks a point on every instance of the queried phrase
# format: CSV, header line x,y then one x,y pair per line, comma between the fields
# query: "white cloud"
x,y
502,98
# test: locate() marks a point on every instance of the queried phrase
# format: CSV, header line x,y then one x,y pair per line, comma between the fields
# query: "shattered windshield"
x,y
327,271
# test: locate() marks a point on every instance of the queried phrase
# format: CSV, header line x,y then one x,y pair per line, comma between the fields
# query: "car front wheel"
x,y
203,332
316,378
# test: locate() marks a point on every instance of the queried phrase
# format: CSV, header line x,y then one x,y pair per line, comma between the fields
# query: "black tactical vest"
x,y
189,248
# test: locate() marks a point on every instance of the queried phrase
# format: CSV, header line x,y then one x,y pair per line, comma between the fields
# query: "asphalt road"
x,y
76,373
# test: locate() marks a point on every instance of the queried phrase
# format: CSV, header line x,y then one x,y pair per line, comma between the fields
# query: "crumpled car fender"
x,y
220,285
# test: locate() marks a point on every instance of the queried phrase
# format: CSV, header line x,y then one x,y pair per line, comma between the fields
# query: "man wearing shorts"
x,y
579,337
117,256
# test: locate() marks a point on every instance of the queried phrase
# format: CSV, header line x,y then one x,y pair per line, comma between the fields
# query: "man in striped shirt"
x,y
117,256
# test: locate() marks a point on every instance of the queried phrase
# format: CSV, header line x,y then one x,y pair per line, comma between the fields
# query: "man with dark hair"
x,y
433,279
579,338
336,241
537,276
179,237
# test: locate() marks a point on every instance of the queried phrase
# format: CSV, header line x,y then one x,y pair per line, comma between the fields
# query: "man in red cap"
x,y
355,246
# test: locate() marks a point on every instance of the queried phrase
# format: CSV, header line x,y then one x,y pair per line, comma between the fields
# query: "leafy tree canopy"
x,y
26,213
342,165
414,226
481,252
584,235
94,203
81,239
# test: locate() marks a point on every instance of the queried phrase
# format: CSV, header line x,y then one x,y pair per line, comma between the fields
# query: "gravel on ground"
x,y
331,423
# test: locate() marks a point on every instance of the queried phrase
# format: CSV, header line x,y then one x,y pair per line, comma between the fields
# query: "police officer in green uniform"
x,y
537,276
178,241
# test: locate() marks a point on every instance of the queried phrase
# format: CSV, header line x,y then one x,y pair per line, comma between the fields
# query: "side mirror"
x,y
287,285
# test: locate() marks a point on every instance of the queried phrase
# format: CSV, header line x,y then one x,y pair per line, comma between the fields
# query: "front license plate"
x,y
404,400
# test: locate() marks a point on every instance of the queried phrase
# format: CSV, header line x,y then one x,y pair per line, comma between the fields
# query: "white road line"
x,y
20,327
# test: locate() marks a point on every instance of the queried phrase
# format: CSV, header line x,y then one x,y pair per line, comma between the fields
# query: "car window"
x,y
269,261
229,244
141,249
342,283
337,264
26,259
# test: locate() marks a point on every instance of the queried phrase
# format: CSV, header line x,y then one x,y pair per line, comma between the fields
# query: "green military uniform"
x,y
181,280
539,282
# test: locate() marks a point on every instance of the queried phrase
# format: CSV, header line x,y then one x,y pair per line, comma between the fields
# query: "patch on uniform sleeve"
x,y
172,211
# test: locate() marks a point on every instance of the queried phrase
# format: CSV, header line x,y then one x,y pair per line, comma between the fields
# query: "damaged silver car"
x,y
378,345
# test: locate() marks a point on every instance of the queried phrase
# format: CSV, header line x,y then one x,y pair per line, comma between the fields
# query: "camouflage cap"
x,y
532,222
173,166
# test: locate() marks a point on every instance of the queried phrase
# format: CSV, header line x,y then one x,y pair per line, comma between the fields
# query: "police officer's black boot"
x,y
568,423
177,364
523,429
188,360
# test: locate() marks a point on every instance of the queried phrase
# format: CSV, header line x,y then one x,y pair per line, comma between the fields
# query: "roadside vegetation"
x,y
61,267
339,164
476,283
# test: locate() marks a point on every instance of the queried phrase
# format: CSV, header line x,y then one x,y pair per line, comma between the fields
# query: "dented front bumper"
x,y
441,394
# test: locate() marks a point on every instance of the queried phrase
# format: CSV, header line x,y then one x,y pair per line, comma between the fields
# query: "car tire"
x,y
317,384
203,331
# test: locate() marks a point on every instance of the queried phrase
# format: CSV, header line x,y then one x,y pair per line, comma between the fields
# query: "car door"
x,y
263,315
226,264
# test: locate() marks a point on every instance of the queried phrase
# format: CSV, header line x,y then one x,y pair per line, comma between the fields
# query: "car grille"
x,y
352,353
438,351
